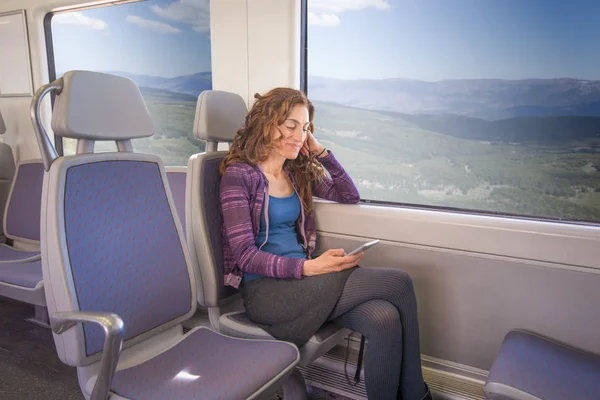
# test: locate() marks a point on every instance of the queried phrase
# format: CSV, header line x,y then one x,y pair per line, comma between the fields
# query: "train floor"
x,y
30,368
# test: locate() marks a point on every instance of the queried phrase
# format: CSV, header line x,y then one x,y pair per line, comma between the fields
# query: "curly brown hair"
x,y
253,143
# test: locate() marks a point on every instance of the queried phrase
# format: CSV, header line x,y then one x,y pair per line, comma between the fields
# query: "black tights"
x,y
380,303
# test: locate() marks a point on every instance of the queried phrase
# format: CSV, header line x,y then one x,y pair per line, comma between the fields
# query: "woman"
x,y
274,167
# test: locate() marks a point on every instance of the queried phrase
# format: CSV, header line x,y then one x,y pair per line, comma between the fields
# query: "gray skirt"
x,y
293,309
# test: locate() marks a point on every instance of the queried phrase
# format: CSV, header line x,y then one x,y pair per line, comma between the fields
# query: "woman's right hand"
x,y
333,260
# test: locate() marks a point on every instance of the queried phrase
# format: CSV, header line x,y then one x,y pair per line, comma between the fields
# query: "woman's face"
x,y
291,135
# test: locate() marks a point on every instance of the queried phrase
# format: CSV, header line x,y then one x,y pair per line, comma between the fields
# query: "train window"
x,y
162,45
491,107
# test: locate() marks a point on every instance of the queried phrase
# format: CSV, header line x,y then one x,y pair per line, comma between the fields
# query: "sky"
x,y
158,37
353,39
454,39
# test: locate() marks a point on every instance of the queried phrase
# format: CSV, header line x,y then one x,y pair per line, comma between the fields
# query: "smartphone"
x,y
364,247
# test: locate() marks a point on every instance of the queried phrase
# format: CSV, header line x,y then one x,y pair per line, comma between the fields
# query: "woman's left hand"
x,y
312,145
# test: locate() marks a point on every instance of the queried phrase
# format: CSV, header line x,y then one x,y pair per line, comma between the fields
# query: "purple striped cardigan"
x,y
243,194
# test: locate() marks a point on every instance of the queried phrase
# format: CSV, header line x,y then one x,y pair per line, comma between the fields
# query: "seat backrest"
x,y
111,240
177,181
219,115
21,221
7,173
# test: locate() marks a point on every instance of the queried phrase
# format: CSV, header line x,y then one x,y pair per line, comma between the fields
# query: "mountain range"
x,y
529,110
523,130
490,99
192,84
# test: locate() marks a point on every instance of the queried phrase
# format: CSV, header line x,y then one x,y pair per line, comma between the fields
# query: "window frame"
x,y
384,203
58,140
304,46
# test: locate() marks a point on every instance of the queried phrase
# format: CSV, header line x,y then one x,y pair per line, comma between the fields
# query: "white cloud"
x,y
193,12
323,19
152,25
77,18
324,12
338,6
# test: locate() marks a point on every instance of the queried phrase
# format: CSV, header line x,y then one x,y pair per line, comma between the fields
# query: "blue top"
x,y
283,239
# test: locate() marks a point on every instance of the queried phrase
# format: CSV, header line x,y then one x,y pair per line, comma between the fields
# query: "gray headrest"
x,y
219,115
2,126
98,106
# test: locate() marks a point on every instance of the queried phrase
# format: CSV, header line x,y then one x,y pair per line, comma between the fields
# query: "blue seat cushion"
x,y
26,275
207,365
531,367
9,254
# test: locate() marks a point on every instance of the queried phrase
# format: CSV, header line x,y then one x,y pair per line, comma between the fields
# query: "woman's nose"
x,y
299,134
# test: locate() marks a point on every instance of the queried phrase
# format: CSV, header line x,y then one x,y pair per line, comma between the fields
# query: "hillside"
x,y
392,158
490,99
543,130
165,96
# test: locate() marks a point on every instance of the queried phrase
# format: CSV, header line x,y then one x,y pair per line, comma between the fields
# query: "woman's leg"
x,y
396,287
378,321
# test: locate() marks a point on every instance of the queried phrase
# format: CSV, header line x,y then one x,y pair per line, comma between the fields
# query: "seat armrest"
x,y
114,331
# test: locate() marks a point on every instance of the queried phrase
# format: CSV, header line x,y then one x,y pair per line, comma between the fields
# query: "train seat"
x,y
23,282
22,217
532,367
219,115
20,265
118,278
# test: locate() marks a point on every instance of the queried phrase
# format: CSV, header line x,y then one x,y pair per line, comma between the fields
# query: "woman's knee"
x,y
385,314
401,280
379,314
375,319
